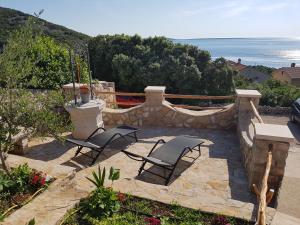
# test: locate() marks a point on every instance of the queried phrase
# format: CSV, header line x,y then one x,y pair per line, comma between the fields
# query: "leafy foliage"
x,y
38,60
99,178
264,69
133,63
17,186
274,93
102,202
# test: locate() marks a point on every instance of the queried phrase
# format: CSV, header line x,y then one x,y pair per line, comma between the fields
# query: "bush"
x,y
274,93
102,202
39,60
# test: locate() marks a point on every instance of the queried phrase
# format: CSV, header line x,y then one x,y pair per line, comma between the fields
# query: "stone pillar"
x,y
279,138
155,95
243,97
86,117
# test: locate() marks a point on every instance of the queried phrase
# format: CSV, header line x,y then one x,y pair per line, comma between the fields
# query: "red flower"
x,y
35,179
43,181
121,197
152,221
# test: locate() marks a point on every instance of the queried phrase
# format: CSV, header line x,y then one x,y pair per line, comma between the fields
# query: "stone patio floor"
x,y
216,181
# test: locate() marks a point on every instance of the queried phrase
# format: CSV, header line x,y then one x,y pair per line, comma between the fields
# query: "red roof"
x,y
292,72
237,66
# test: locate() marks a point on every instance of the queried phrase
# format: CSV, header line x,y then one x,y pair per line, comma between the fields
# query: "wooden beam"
x,y
256,112
175,96
126,103
120,93
198,107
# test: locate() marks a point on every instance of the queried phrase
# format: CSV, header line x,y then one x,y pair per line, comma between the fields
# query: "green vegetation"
x,y
274,93
22,111
11,20
45,63
264,69
17,188
134,63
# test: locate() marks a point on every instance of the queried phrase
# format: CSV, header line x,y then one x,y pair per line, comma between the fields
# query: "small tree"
x,y
21,110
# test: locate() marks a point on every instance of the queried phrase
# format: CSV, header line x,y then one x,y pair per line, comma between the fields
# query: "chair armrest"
x,y
160,140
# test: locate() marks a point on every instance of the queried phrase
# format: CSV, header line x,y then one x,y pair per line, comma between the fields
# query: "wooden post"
x,y
264,196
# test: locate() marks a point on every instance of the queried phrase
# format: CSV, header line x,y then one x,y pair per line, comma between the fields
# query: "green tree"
x,y
20,110
45,63
133,63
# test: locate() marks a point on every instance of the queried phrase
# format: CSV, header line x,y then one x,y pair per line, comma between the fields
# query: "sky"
x,y
171,18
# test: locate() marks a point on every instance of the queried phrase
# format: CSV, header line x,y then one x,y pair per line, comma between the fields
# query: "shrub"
x,y
102,202
39,60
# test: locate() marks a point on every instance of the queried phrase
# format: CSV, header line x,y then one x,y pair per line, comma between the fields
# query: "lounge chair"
x,y
168,155
98,142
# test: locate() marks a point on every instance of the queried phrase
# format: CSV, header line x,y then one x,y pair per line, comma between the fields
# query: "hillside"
x,y
11,19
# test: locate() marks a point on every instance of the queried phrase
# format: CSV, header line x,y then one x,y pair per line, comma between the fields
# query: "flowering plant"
x,y
38,179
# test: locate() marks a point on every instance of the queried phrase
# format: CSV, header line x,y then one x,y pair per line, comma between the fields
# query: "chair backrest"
x,y
172,150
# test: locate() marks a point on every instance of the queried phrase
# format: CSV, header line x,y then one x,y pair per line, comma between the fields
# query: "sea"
x,y
271,52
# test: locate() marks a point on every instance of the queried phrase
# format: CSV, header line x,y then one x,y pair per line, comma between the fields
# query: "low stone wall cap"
x,y
273,132
247,93
155,89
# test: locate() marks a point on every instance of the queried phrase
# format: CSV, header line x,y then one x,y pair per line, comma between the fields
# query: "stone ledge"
x,y
273,132
155,89
247,93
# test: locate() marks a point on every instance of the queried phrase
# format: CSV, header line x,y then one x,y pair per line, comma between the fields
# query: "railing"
x,y
256,112
168,96
264,196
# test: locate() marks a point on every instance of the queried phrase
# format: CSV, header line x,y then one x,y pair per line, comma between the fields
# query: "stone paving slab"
x,y
284,219
216,181
54,170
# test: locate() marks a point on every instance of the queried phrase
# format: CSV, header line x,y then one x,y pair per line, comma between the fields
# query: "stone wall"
x,y
268,110
257,138
158,112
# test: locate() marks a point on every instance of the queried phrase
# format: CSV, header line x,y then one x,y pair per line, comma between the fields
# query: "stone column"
x,y
243,97
86,117
155,95
153,105
278,138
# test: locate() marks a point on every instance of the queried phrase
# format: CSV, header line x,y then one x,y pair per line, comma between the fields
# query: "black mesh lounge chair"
x,y
98,142
168,155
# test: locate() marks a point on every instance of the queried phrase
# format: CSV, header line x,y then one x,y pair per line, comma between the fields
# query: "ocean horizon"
x,y
271,52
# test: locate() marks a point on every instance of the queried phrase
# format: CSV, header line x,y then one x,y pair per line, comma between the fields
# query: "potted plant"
x,y
84,93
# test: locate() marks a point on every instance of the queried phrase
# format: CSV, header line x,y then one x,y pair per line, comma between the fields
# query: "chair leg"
x,y
199,150
135,136
142,167
78,150
170,175
96,157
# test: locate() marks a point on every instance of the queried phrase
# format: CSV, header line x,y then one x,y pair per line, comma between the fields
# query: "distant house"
x,y
249,72
289,75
